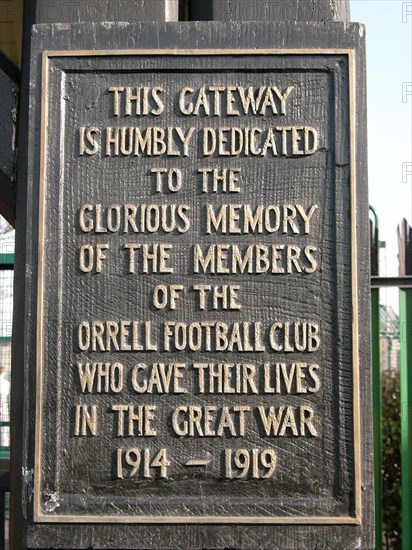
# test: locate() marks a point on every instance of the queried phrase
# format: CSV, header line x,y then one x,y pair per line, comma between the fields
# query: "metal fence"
x,y
6,318
403,335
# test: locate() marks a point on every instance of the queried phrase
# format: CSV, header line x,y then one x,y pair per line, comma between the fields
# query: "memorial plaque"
x,y
198,305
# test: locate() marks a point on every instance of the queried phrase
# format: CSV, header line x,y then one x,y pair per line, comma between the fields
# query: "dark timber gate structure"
x,y
177,385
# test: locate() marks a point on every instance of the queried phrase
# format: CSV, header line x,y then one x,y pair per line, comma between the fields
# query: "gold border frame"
x,y
38,516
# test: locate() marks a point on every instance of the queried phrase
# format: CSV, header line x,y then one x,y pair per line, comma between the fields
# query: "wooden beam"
x,y
269,10
9,89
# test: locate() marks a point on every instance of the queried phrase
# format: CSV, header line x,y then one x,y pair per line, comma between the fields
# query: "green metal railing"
x,y
4,450
6,264
405,311
404,283
6,261
377,417
376,381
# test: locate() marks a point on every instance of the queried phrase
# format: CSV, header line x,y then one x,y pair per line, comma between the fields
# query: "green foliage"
x,y
391,460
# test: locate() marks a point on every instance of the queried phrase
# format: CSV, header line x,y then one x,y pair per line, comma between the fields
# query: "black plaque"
x,y
199,291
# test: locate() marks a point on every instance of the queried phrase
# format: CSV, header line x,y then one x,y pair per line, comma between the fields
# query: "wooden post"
x,y
50,11
82,480
9,91
269,10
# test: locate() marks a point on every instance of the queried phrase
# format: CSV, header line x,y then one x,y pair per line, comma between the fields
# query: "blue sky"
x,y
389,78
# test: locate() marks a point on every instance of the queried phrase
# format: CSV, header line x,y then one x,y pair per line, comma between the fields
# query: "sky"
x,y
389,84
